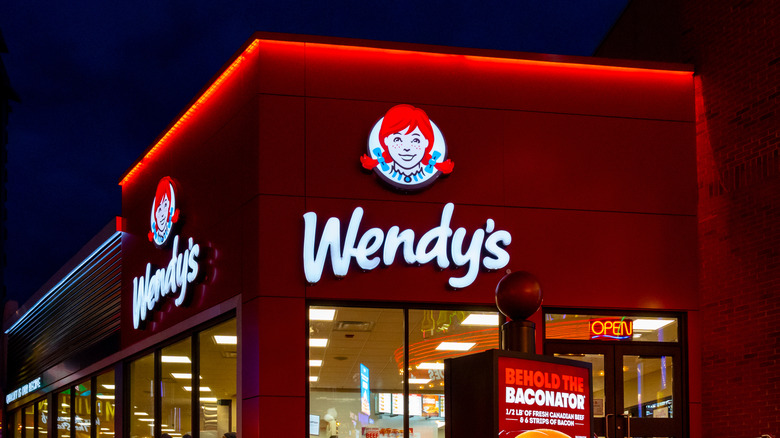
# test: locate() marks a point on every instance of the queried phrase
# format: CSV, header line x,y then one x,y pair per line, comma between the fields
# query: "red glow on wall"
x,y
432,56
566,66
224,77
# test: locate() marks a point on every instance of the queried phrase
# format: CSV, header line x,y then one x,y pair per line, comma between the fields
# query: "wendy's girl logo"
x,y
406,149
164,212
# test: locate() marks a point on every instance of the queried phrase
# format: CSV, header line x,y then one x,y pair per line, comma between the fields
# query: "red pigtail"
x,y
445,167
368,162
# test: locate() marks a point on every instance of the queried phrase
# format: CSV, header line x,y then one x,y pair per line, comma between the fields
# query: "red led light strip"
x,y
509,60
192,110
253,46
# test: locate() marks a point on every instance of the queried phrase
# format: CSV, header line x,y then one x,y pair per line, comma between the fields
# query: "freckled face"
x,y
407,150
162,213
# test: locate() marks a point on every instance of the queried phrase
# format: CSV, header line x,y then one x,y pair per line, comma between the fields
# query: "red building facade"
x,y
577,170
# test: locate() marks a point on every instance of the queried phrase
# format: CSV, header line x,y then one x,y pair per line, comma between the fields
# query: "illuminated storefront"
x,y
328,220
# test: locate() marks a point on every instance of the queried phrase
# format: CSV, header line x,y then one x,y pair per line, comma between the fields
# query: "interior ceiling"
x,y
379,346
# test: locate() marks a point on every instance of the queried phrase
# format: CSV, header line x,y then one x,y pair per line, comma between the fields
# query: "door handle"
x,y
628,424
606,428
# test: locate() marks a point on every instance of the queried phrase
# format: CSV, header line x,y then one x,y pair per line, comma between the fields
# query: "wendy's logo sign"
x,y
164,212
406,149
182,268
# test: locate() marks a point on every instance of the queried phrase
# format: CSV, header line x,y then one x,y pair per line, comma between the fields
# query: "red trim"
x,y
210,91
497,56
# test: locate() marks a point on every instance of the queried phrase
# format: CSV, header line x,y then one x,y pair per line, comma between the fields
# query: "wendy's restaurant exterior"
x,y
327,221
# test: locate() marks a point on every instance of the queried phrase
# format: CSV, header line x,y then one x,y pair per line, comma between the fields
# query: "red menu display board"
x,y
537,396
507,394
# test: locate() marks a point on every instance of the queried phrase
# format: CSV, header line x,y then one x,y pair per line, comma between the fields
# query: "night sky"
x,y
99,81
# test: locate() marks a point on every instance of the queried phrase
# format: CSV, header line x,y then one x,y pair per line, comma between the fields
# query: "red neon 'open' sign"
x,y
611,328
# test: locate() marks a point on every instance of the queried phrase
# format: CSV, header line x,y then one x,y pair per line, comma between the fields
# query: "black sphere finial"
x,y
518,295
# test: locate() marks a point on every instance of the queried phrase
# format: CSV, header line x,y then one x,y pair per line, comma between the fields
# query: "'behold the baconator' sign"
x,y
540,398
377,246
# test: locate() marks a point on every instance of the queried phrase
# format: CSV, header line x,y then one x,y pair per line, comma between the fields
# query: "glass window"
x,y
105,405
218,369
29,421
176,394
63,414
15,423
611,328
356,367
647,386
43,418
597,375
83,409
356,372
141,412
214,363
435,335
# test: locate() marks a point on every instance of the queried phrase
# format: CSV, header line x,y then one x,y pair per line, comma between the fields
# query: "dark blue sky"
x,y
100,80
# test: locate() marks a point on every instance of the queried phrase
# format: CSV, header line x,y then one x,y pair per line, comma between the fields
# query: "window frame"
x,y
405,307
156,351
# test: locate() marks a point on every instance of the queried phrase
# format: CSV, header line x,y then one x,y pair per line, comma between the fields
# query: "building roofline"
x,y
258,37
104,235
485,53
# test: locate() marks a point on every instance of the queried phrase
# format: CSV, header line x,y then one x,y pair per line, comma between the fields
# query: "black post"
x,y
518,296
519,336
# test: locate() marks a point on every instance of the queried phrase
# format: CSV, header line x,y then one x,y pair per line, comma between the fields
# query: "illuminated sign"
x,y
539,398
611,328
164,212
406,149
377,246
31,386
365,392
182,270
398,404
415,405
314,425
430,406
384,403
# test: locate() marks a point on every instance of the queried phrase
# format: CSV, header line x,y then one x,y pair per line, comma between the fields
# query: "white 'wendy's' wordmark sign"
x,y
376,246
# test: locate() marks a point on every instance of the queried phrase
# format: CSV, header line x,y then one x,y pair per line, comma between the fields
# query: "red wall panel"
x,y
249,327
600,259
280,68
281,147
599,163
281,416
282,344
279,272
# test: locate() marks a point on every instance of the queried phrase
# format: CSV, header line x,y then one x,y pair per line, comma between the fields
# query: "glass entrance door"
x,y
636,389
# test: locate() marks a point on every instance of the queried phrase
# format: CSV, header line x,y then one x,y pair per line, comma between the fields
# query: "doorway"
x,y
637,385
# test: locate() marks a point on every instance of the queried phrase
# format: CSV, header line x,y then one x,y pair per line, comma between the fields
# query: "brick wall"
x,y
734,47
